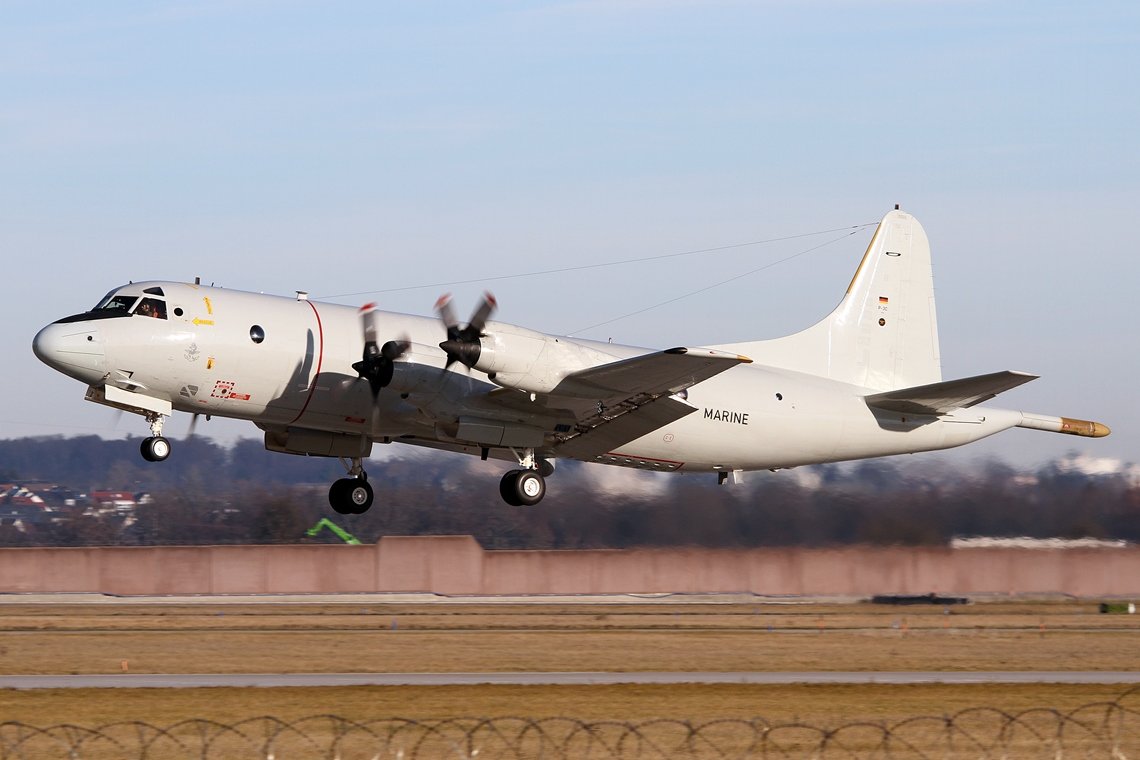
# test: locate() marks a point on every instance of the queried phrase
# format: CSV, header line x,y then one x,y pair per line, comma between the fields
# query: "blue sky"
x,y
342,147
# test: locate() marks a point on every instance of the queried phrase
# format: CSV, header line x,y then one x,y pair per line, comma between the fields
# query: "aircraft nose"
x,y
71,348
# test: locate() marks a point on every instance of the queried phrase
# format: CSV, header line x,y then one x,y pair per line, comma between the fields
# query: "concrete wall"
x,y
458,565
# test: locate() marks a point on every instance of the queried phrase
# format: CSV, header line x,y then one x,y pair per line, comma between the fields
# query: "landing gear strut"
x,y
352,495
525,487
155,448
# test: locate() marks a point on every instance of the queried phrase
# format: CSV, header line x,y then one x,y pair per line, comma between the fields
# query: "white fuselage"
x,y
203,358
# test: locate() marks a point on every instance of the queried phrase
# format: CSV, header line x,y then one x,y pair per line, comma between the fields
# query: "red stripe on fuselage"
x,y
320,359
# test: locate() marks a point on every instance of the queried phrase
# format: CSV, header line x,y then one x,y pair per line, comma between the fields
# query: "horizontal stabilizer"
x,y
945,397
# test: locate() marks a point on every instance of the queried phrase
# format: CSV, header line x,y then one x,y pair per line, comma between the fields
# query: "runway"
x,y
269,680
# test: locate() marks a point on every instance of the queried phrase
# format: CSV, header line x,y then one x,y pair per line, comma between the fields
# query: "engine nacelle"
x,y
417,371
515,357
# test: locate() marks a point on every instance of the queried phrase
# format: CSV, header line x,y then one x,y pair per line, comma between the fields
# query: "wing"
x,y
943,398
635,396
665,372
602,407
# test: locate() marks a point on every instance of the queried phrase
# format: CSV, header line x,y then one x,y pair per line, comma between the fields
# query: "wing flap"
x,y
945,397
617,425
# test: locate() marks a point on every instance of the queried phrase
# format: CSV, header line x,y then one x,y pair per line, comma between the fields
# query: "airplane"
x,y
331,380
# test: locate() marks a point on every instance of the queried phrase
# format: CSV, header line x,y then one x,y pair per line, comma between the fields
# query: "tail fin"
x,y
884,333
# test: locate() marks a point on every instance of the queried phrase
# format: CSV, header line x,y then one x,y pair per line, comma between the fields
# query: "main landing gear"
x,y
155,448
522,488
352,495
526,487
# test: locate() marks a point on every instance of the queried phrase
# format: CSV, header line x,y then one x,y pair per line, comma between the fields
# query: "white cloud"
x,y
1090,465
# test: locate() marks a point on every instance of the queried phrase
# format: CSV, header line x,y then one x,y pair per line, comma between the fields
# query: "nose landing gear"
x,y
155,448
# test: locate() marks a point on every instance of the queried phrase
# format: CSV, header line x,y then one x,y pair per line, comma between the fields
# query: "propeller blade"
x,y
368,317
462,344
447,314
482,314
193,425
376,363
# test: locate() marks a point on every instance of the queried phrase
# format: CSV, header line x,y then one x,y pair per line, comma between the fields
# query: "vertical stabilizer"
x,y
884,333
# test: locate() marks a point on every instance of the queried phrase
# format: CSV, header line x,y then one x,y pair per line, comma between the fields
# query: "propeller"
x,y
378,362
190,432
462,344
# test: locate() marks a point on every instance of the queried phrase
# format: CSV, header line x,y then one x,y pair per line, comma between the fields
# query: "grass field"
x,y
204,638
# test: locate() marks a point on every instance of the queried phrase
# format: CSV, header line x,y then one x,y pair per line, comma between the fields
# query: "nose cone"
x,y
73,349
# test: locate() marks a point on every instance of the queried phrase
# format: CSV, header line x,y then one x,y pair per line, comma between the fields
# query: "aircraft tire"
x,y
522,488
350,496
360,494
531,487
337,500
507,488
155,449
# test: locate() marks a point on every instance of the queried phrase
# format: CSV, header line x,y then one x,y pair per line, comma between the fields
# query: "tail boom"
x,y
1067,425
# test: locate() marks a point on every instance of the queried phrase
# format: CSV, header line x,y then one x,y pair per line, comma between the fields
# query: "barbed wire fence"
x,y
1109,729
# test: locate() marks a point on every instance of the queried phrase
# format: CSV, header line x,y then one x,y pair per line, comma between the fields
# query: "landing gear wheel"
x,y
522,488
507,488
531,487
155,449
350,496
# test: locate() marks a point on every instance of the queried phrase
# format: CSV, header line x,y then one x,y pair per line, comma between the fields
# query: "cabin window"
x,y
256,334
151,307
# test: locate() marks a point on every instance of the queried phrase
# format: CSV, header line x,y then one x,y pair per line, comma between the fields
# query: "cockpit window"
x,y
155,291
151,307
116,302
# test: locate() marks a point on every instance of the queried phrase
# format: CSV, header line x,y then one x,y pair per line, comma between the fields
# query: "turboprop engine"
x,y
513,356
